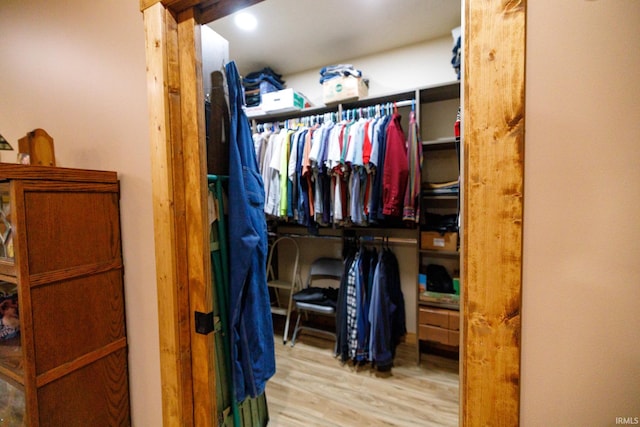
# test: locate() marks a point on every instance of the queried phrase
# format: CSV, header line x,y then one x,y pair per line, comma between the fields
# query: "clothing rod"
x,y
406,103
389,240
280,118
363,239
309,236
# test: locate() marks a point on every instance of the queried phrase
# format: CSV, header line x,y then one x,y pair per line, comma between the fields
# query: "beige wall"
x,y
420,64
581,290
77,70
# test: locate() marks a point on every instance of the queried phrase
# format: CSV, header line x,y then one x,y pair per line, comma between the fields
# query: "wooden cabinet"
x,y
61,249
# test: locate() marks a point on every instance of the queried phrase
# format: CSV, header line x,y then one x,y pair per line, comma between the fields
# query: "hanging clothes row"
x,y
359,170
370,312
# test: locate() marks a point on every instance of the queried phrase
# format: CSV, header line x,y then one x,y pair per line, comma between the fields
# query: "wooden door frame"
x,y
493,181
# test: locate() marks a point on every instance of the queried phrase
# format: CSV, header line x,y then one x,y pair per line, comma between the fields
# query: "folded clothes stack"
x,y
340,70
260,82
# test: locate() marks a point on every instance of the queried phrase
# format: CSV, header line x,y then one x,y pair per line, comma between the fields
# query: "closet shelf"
x,y
431,93
439,304
438,254
382,99
430,194
440,92
437,299
439,144
442,190
274,117
309,236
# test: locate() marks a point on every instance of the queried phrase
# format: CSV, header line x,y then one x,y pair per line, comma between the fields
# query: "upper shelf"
x,y
425,94
440,143
441,92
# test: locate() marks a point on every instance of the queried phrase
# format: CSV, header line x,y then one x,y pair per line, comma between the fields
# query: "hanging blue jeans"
x,y
253,354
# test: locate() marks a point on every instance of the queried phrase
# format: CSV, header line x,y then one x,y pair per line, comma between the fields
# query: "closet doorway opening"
x,y
490,331
405,54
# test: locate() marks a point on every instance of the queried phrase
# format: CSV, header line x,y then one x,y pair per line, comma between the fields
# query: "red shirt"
x,y
396,169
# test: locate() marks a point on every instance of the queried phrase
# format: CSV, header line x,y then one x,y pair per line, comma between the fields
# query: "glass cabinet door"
x,y
6,228
12,397
12,405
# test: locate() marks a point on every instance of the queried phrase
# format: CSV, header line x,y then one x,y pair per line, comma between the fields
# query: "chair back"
x,y
325,268
283,243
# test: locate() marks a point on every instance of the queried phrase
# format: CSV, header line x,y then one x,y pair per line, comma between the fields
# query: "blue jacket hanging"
x,y
252,344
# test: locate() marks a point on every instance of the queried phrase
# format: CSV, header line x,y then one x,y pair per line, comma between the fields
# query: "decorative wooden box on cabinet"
x,y
61,248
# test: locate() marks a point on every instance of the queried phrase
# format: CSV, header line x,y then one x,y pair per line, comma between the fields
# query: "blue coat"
x,y
252,343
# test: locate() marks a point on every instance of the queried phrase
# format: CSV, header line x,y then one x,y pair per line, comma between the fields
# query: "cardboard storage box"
x,y
341,89
282,101
433,240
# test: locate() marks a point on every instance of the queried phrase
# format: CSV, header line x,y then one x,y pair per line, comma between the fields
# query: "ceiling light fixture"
x,y
246,21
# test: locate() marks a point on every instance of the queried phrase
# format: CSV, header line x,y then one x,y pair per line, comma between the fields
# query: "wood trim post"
x,y
163,88
196,192
493,116
178,150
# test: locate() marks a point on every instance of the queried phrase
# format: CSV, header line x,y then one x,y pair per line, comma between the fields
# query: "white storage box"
x,y
282,101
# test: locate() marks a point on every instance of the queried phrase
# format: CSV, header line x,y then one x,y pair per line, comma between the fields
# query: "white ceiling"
x,y
300,35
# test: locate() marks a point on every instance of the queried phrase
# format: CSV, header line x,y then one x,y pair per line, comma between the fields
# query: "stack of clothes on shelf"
x,y
340,70
442,188
259,82
456,52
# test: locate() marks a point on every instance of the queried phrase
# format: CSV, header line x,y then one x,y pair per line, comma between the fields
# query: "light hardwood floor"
x,y
312,388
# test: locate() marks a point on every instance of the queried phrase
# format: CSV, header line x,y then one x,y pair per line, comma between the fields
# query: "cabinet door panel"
x,y
66,227
95,395
76,317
